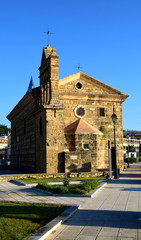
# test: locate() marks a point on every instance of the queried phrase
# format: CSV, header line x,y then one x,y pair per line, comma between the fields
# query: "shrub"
x,y
43,186
103,129
93,184
133,160
59,189
80,191
90,185
86,187
53,188
66,181
75,188
72,188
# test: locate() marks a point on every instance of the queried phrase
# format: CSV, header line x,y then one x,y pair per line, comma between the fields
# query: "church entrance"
x,y
61,162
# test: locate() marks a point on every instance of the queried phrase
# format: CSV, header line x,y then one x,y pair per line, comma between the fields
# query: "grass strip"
x,y
45,180
18,221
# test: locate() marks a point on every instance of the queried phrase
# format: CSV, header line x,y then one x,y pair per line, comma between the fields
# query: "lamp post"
x,y
114,119
128,152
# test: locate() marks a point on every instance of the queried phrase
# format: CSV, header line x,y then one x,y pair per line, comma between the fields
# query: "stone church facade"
x,y
64,125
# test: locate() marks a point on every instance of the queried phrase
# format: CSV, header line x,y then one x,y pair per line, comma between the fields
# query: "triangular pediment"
x,y
93,84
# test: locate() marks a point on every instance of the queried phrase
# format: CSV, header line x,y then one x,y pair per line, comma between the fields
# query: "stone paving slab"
x,y
12,192
113,213
22,193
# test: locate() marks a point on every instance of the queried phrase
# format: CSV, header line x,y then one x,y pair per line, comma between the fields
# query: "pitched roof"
x,y
83,76
81,126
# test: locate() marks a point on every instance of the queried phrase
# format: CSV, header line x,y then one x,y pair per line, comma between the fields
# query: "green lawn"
x,y
45,180
18,221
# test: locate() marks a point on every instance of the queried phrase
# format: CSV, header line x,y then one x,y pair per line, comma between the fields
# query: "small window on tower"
x,y
85,146
102,112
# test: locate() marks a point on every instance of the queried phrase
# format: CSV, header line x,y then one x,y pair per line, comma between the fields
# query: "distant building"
x,y
3,142
131,147
64,124
132,134
3,147
137,136
9,147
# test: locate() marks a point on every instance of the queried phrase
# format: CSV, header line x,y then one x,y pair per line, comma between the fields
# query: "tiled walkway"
x,y
19,193
113,213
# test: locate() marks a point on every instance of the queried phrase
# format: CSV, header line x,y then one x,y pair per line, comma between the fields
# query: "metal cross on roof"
x,y
48,35
78,67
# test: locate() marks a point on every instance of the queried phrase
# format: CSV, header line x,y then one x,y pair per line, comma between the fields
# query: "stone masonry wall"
x,y
55,140
23,139
41,141
86,159
92,98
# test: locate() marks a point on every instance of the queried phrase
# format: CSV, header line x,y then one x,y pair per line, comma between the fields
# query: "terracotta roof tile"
x,y
81,126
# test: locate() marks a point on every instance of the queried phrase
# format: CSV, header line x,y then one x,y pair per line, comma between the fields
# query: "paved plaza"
x,y
113,212
12,192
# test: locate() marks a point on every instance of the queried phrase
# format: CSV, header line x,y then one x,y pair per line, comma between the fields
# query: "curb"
x,y
20,183
51,226
97,189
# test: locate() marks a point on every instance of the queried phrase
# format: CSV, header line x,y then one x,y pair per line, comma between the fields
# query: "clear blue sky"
x,y
103,36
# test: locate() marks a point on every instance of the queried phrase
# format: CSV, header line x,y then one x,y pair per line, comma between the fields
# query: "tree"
x,y
4,129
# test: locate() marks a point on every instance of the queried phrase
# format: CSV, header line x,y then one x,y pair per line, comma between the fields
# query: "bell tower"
x,y
49,76
50,137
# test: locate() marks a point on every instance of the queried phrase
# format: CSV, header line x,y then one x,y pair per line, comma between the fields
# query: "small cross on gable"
x,y
48,35
78,67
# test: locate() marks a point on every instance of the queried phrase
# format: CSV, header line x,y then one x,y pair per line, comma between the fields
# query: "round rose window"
x,y
80,111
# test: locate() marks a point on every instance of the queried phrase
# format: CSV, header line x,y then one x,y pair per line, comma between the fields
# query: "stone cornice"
x,y
49,107
94,97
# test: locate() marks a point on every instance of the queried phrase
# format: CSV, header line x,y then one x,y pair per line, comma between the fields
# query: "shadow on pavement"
x,y
37,192
130,175
125,181
105,218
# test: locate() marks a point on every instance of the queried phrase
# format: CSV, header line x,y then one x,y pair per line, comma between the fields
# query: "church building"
x,y
65,125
